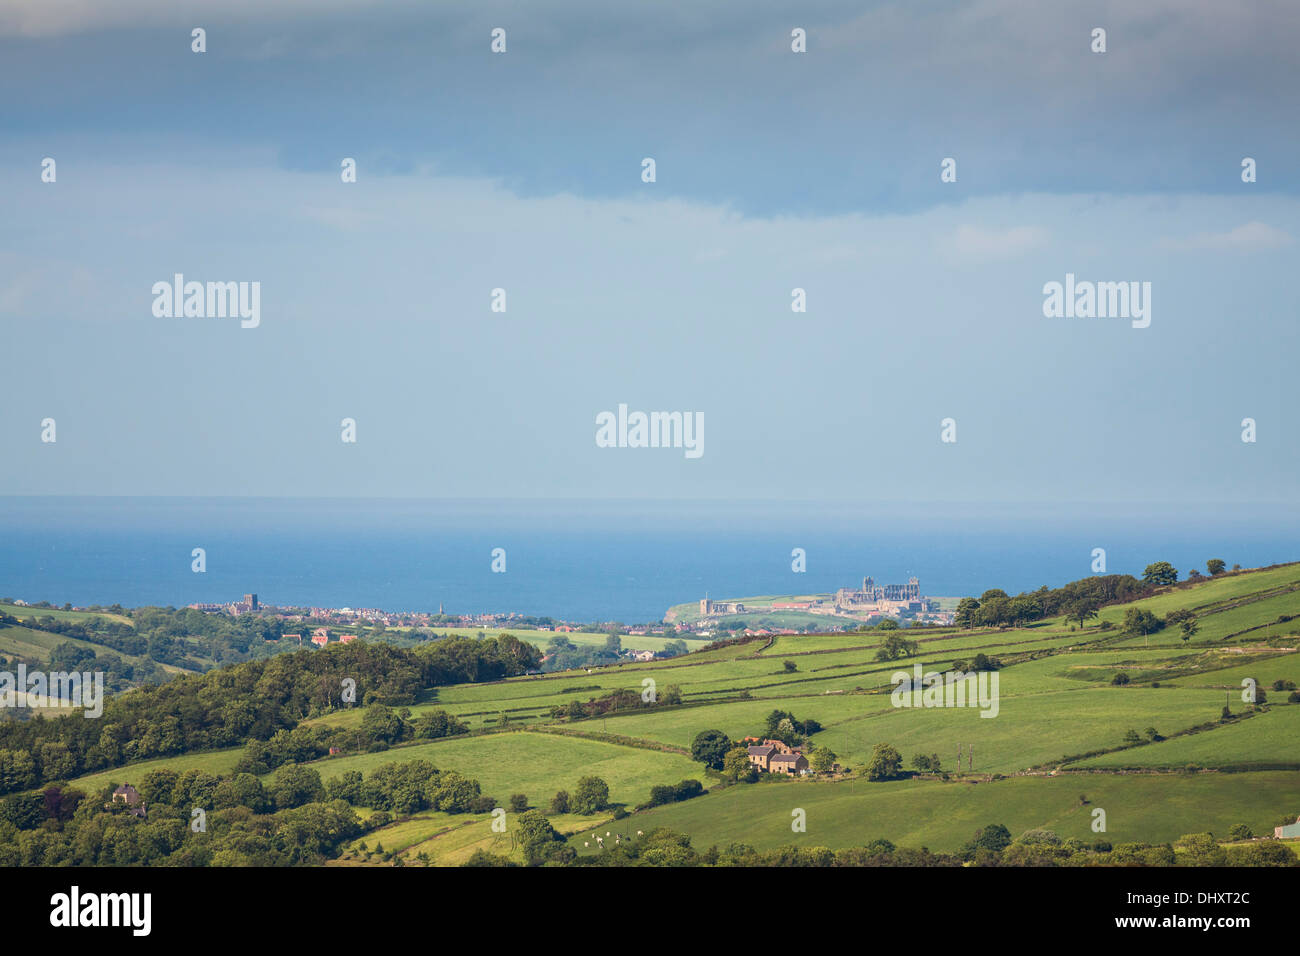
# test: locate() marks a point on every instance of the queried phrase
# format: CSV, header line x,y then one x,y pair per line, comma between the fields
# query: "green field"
x,y
943,816
1265,667
215,762
1029,731
35,645
1271,738
534,764
24,613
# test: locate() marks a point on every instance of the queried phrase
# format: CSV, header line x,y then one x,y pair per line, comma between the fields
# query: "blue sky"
x,y
774,171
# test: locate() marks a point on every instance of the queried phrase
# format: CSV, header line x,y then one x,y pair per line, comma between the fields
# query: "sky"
x,y
774,170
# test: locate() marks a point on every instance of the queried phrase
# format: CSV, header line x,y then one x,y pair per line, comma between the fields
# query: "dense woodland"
x,y
990,846
258,702
197,819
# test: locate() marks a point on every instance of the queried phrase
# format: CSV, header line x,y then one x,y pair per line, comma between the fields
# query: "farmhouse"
x,y
780,746
130,796
788,763
127,794
1289,832
760,757
775,756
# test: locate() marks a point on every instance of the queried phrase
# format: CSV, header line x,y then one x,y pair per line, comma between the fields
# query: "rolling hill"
x,y
1134,724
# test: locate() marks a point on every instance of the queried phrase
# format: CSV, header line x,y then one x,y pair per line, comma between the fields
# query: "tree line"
x,y
252,701
1077,600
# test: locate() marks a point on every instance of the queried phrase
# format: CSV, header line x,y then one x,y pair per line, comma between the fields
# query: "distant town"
x,y
372,617
848,608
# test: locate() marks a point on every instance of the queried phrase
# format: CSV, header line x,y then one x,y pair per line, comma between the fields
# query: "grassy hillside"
x,y
31,644
214,762
26,613
943,816
1069,698
1270,739
534,764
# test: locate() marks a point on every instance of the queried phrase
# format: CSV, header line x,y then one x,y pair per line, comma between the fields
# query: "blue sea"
x,y
588,561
